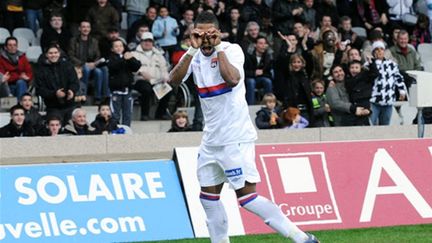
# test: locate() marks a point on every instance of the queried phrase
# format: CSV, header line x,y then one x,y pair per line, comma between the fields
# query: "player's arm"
x,y
179,71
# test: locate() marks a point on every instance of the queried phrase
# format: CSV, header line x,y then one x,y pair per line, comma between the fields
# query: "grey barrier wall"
x,y
149,146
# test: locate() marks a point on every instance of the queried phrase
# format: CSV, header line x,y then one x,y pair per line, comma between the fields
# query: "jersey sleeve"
x,y
189,71
236,57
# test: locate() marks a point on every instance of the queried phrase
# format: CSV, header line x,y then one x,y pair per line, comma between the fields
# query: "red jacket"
x,y
15,71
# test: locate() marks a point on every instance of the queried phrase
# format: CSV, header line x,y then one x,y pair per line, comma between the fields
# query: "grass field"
x,y
399,234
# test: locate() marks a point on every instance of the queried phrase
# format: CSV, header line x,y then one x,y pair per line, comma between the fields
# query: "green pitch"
x,y
399,234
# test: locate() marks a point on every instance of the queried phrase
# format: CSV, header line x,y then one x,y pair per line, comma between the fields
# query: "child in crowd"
x,y
267,117
104,123
359,84
180,122
293,119
321,108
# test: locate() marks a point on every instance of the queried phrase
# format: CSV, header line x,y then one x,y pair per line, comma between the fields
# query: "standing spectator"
x,y
84,52
385,86
235,27
14,16
349,8
321,108
34,14
154,69
310,14
135,9
253,11
78,125
104,122
57,83
32,115
397,8
373,13
180,122
17,127
347,35
15,68
267,117
147,20
105,43
165,30
56,32
375,35
258,67
326,55
327,8
101,17
406,57
121,64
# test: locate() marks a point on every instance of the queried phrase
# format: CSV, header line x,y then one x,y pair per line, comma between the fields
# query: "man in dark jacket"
x,y
17,126
56,33
57,83
32,115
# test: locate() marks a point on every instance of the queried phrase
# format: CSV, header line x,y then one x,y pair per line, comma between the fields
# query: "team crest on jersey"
x,y
214,62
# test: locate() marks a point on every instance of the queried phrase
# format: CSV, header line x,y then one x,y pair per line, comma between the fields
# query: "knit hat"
x,y
378,44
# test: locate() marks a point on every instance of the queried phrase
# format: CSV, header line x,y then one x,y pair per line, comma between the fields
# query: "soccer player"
x,y
227,151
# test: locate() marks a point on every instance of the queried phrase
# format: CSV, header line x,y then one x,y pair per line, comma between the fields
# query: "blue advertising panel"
x,y
92,202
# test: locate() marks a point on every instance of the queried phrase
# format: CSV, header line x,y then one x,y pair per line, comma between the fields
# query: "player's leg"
x,y
211,178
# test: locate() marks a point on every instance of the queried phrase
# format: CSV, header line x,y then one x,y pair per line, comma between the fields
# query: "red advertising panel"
x,y
346,184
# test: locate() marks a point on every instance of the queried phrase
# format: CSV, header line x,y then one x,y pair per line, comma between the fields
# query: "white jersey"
x,y
225,110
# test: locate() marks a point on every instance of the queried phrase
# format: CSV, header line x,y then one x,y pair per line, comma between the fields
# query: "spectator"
x,y
135,9
235,27
32,115
104,122
326,55
121,65
310,14
17,126
407,58
373,13
105,43
258,67
359,87
421,33
165,30
33,13
350,55
385,86
154,69
57,83
136,40
14,16
78,125
321,108
293,119
347,35
267,29
397,9
84,51
54,126
349,8
185,24
302,34
253,11
147,20
375,35
101,17
267,117
249,40
338,99
325,24
15,68
180,122
56,32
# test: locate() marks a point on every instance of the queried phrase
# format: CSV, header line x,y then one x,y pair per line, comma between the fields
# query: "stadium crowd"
x,y
311,63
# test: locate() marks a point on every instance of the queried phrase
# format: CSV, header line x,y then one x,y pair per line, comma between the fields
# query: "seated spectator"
x,y
385,86
121,66
347,35
235,27
258,67
310,14
102,17
373,13
321,108
32,115
15,68
326,23
84,52
293,119
54,126
267,117
180,122
56,32
17,126
165,30
421,33
57,83
406,57
136,39
249,40
78,125
186,24
146,20
359,87
104,123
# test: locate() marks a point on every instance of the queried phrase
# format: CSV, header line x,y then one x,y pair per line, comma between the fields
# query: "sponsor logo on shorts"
x,y
233,172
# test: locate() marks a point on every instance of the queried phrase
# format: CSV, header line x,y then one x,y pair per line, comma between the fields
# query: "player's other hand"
x,y
213,35
196,38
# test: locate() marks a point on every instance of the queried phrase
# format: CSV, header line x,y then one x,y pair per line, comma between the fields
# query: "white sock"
x,y
272,216
217,222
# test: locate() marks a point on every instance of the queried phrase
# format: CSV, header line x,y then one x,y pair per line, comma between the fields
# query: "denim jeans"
x,y
131,18
122,108
100,76
252,83
19,88
381,114
33,15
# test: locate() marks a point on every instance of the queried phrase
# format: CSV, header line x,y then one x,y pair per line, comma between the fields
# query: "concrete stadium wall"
x,y
151,146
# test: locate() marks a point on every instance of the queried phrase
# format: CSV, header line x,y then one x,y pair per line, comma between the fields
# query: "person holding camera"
x,y
57,82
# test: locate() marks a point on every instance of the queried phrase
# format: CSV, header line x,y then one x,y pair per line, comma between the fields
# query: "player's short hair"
x,y
206,17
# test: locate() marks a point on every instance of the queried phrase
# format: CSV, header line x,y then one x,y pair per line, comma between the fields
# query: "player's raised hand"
x,y
213,35
196,38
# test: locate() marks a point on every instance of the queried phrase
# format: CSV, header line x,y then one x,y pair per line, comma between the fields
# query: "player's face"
x,y
26,102
181,121
355,69
318,89
54,127
18,117
206,48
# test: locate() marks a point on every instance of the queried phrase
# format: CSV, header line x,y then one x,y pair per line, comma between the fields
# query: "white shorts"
x,y
234,163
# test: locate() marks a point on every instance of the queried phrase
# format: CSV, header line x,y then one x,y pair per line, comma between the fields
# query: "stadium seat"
x,y
33,53
427,66
123,24
360,31
38,37
4,33
425,52
23,44
25,33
